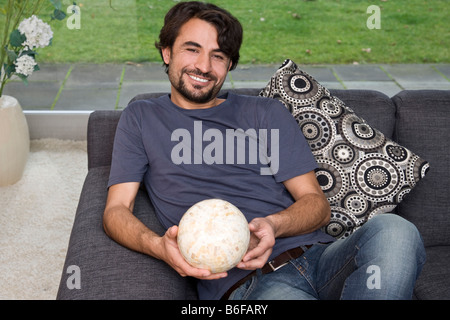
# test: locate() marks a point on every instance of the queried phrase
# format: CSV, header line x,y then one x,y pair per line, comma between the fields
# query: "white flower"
x,y
25,65
37,32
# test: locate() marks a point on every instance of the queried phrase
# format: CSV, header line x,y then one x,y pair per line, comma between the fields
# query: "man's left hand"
x,y
262,240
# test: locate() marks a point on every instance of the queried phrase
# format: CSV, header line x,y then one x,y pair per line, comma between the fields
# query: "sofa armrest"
x,y
106,269
100,137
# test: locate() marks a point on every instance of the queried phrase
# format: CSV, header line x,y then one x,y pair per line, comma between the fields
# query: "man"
x,y
278,194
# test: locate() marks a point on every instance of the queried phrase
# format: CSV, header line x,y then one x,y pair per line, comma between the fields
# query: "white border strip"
x,y
65,125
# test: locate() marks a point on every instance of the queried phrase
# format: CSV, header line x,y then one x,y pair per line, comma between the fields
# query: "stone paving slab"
x,y
35,96
390,88
93,98
413,71
361,73
252,73
110,86
416,77
144,72
50,72
333,85
131,89
100,76
323,74
244,84
445,70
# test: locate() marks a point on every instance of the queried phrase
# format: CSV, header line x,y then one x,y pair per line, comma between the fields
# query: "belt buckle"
x,y
278,267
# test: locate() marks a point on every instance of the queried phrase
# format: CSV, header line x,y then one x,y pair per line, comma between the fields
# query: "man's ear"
x,y
166,52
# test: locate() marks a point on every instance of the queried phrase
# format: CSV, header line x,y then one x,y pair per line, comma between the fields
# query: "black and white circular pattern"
x,y
376,177
397,153
317,127
356,204
332,178
299,89
342,223
344,153
360,134
416,170
402,193
332,106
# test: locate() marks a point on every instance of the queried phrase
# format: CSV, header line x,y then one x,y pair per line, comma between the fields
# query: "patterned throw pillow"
x,y
361,172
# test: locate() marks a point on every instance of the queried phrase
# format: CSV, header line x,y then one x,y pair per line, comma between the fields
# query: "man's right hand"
x,y
170,253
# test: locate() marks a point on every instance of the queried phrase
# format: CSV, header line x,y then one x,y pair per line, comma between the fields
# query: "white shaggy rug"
x,y
36,216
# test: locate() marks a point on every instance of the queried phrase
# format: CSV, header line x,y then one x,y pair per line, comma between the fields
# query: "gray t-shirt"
x,y
239,151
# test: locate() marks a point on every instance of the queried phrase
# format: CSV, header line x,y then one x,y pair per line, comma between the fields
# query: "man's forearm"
x,y
307,214
123,227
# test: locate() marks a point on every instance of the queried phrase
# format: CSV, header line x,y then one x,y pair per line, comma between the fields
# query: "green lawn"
x,y
308,32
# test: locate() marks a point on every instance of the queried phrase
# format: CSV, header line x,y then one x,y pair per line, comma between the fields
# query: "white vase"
x,y
14,141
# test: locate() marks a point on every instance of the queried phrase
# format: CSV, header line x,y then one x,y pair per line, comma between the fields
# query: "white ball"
x,y
213,234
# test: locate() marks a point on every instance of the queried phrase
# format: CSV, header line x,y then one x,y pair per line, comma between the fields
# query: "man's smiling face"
x,y
197,66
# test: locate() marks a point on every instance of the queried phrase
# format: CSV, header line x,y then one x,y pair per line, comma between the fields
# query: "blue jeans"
x,y
380,260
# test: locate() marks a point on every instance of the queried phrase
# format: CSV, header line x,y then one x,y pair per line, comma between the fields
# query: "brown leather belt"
x,y
273,265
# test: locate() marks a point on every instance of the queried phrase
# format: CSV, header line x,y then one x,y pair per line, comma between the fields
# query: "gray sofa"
x,y
418,120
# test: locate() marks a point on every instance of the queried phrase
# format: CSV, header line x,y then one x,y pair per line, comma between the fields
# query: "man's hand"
x,y
262,240
171,254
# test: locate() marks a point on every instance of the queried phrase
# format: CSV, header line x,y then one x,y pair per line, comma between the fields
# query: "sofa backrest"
x,y
101,131
423,126
373,106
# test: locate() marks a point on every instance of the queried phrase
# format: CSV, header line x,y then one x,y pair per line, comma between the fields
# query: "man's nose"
x,y
203,63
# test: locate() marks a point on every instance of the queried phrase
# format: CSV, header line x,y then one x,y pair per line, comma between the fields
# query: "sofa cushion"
x,y
107,269
434,280
361,171
423,124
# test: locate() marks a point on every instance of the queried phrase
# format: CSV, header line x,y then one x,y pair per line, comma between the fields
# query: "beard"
x,y
196,95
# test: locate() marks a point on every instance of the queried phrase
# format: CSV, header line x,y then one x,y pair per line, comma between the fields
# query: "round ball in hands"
x,y
213,234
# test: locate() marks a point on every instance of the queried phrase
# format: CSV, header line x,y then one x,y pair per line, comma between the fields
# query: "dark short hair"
x,y
229,29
